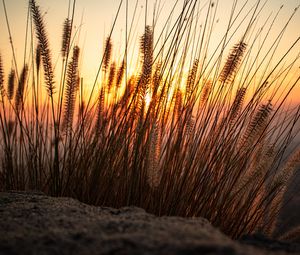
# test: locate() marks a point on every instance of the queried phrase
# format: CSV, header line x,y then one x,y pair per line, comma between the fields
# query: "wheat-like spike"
x,y
72,86
146,42
157,77
147,53
257,125
120,74
20,90
190,125
154,176
280,183
100,108
141,89
2,90
237,104
45,51
252,183
178,104
111,76
66,37
191,80
140,103
255,174
273,212
38,57
11,84
286,172
128,90
146,48
232,63
258,155
260,119
107,53
142,86
205,93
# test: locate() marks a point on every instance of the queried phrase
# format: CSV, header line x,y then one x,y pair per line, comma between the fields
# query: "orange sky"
x,y
97,17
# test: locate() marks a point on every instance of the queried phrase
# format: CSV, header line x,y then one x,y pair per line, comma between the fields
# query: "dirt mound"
x,y
32,223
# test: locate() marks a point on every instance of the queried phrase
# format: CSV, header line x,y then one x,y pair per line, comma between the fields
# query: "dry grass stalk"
x,y
257,125
190,89
120,74
20,90
111,77
44,46
232,63
280,182
66,37
11,84
107,53
72,86
154,171
2,90
38,57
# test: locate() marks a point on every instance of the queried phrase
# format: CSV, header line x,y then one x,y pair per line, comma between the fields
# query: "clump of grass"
x,y
188,134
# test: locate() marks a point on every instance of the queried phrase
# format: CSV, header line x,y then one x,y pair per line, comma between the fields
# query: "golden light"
x,y
148,99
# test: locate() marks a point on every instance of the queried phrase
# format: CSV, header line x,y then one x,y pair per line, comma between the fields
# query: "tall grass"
x,y
189,133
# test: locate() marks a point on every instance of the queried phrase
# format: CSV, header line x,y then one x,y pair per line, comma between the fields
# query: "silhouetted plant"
x,y
187,133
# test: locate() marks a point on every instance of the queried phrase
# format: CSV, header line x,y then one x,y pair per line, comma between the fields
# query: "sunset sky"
x,y
97,17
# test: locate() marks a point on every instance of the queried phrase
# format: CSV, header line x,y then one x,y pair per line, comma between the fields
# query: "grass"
x,y
209,141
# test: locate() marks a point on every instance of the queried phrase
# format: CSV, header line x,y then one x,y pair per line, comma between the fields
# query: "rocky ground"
x,y
32,223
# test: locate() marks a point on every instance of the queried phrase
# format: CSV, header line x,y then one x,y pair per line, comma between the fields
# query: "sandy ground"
x,y
32,223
